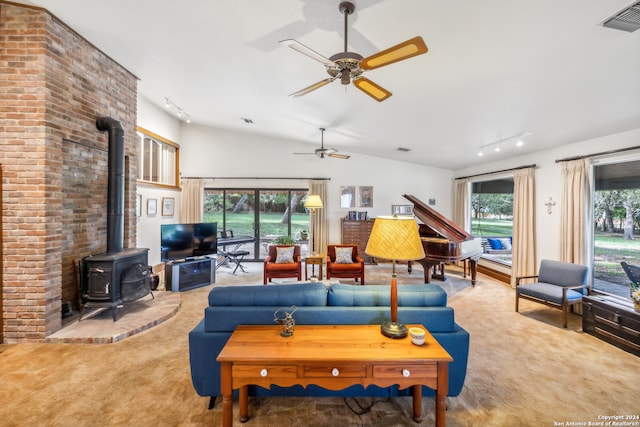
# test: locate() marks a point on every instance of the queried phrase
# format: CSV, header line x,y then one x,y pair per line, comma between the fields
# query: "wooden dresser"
x,y
612,320
357,233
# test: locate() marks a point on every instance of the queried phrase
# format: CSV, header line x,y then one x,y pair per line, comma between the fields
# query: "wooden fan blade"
x,y
402,51
339,156
313,87
297,46
372,89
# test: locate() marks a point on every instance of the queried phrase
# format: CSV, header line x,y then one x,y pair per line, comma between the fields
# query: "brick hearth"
x,y
133,318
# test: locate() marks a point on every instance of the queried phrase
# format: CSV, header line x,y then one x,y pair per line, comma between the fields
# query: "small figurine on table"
x,y
287,322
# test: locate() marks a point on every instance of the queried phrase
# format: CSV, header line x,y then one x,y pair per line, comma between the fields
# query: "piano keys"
x,y
443,241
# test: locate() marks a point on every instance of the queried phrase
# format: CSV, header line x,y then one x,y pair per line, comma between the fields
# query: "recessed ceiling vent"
x,y
403,149
627,19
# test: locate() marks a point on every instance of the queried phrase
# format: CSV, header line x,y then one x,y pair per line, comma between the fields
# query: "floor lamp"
x,y
395,238
313,202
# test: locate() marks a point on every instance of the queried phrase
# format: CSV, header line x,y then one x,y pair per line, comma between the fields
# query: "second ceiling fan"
x,y
321,152
349,66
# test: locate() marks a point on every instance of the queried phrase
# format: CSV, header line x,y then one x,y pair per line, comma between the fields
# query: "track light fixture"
x,y
499,144
181,113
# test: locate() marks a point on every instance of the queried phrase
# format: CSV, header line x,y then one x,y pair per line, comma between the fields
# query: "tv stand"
x,y
183,275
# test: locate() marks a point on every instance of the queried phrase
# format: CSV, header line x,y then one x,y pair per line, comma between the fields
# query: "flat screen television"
x,y
183,241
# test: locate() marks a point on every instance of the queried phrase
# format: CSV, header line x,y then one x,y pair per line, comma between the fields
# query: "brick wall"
x,y
53,86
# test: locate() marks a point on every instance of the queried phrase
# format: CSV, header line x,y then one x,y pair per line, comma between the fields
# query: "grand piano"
x,y
443,241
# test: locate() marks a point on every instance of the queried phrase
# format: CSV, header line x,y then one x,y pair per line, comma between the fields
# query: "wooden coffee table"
x,y
331,356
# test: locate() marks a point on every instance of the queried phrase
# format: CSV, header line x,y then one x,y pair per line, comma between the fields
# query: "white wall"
x,y
549,181
158,121
211,152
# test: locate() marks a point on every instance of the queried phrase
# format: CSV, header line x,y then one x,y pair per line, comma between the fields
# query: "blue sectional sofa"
x,y
230,306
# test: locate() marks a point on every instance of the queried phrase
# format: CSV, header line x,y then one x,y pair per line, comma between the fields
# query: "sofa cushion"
x,y
547,292
379,295
562,273
343,268
227,318
272,295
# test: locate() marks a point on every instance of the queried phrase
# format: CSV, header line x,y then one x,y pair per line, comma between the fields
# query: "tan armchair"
x,y
275,267
343,268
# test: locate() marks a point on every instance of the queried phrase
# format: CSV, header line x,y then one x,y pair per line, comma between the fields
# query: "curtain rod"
x,y
503,170
251,177
602,153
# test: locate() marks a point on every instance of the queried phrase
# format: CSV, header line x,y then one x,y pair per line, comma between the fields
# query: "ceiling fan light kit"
x,y
349,66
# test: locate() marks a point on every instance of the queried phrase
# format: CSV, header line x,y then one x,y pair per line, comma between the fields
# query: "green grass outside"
x,y
242,223
491,227
610,250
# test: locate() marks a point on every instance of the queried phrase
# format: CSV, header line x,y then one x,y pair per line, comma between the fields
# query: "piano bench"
x,y
237,257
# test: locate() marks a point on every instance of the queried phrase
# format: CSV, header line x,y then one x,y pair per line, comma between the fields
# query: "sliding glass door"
x,y
269,216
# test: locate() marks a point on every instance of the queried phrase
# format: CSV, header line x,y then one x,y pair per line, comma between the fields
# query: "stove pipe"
x,y
115,185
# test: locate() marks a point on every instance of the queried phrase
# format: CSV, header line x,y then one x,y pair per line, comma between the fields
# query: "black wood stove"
x,y
120,275
112,279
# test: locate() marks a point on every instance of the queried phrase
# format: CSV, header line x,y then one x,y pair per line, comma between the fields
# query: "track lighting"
x,y
180,112
498,145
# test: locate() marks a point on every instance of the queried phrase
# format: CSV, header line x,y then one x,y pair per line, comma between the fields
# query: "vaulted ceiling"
x,y
495,69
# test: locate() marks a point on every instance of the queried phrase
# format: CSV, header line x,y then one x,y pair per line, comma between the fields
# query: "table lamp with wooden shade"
x,y
313,202
395,238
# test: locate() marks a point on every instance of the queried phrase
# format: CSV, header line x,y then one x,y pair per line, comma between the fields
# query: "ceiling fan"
x,y
349,66
321,152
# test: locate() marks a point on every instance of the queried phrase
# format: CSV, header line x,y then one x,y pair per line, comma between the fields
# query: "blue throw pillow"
x,y
495,243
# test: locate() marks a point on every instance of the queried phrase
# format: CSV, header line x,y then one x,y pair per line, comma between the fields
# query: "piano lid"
x,y
438,223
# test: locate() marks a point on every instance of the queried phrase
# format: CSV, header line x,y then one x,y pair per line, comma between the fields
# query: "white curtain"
x,y
191,205
523,261
461,204
574,221
319,230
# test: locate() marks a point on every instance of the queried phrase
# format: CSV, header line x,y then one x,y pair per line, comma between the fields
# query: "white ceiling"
x,y
495,68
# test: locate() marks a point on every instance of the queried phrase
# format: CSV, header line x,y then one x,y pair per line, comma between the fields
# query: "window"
x,y
268,215
492,217
616,214
158,159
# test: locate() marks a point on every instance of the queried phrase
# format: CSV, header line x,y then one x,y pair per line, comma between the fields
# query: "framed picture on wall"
x,y
152,207
365,196
168,206
139,205
348,196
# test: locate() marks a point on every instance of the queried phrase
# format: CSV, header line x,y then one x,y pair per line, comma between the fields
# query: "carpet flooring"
x,y
524,370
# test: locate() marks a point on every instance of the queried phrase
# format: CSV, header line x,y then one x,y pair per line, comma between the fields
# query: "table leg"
x,y
417,403
227,398
473,268
441,393
244,404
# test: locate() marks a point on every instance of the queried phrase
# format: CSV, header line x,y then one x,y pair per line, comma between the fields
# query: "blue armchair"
x,y
559,285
